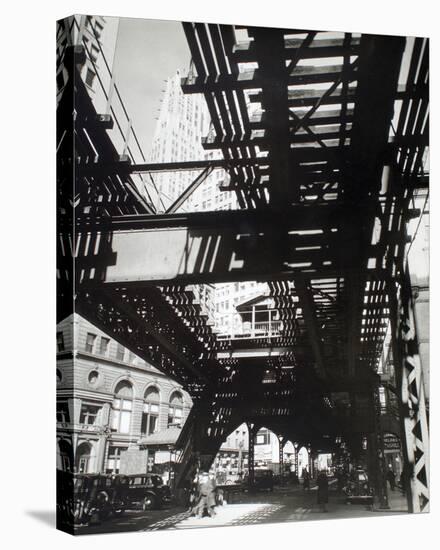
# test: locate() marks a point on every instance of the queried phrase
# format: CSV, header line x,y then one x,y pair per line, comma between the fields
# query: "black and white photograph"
x,y
242,250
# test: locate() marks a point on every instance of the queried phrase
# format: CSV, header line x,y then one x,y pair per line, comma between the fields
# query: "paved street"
x,y
284,504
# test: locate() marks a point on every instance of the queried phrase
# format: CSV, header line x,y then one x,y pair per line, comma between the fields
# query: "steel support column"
x,y
281,442
379,454
296,446
310,461
252,430
409,379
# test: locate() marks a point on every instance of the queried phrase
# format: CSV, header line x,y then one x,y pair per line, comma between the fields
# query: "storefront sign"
x,y
391,442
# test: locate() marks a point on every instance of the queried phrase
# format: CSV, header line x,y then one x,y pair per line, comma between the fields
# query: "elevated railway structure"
x,y
324,140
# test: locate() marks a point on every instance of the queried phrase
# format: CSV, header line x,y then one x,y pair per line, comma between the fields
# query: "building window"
x,y
103,345
175,412
263,437
93,377
66,455
88,414
122,407
131,357
60,341
63,412
59,376
120,352
150,416
114,459
83,456
90,342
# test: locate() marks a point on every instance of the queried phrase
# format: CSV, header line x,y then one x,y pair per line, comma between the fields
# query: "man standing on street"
x,y
206,495
322,483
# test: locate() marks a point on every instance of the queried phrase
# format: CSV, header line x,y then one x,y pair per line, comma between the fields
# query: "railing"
x,y
268,328
235,328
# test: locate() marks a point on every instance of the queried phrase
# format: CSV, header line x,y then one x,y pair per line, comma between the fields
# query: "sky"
x,y
147,53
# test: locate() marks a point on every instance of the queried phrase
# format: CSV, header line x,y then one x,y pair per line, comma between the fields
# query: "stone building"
x,y
108,400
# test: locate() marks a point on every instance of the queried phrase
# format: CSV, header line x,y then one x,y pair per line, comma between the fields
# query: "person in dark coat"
x,y
322,484
391,477
342,480
306,479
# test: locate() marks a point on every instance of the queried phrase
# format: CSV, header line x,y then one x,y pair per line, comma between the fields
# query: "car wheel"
x,y
149,502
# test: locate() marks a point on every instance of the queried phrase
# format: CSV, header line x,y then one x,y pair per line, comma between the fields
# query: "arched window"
x,y
83,455
122,407
66,455
150,415
175,412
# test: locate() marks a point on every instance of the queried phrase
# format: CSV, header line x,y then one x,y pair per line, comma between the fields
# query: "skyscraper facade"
x,y
183,121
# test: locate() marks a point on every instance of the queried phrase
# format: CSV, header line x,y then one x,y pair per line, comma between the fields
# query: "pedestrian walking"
x,y
322,483
306,479
391,477
205,495
342,480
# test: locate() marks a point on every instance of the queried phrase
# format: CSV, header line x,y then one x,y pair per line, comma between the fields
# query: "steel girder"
x,y
331,176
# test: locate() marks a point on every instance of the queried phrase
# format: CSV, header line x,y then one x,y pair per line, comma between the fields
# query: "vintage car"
x,y
145,490
357,489
263,480
65,504
99,495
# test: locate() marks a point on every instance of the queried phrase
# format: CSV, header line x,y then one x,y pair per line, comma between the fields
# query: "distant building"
x,y
231,462
183,121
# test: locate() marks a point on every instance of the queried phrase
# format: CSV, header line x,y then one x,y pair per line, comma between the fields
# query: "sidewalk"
x,y
397,502
281,506
229,514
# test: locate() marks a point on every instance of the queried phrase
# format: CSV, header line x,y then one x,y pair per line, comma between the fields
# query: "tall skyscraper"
x,y
183,121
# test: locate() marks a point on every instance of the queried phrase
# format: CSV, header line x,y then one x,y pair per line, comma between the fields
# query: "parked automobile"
x,y
263,479
65,502
358,489
145,490
99,494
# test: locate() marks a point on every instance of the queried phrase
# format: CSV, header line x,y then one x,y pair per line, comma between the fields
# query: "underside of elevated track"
x,y
325,167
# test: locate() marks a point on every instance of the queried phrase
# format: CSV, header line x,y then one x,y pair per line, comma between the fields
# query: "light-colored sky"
x,y
147,53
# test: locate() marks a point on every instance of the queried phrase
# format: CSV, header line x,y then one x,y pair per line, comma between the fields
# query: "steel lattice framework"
x,y
324,142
